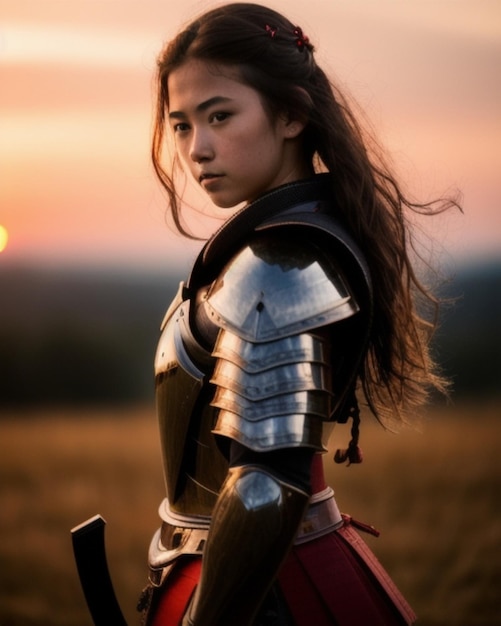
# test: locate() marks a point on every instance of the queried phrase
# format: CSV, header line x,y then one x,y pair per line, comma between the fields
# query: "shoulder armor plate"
x,y
277,288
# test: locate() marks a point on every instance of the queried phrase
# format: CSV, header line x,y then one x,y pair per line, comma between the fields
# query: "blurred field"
x,y
435,496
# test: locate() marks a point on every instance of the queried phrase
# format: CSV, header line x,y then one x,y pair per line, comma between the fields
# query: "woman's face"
x,y
225,137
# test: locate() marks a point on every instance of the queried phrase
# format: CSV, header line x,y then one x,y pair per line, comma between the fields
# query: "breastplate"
x,y
194,467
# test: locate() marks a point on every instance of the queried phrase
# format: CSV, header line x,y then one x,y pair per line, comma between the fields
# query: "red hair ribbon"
x,y
302,40
271,30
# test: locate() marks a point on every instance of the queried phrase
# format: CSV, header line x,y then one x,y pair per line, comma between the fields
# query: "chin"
x,y
229,203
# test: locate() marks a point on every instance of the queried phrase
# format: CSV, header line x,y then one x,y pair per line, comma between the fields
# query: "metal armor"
x,y
267,383
273,372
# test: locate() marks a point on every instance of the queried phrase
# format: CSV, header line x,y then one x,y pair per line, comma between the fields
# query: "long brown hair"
x,y
275,58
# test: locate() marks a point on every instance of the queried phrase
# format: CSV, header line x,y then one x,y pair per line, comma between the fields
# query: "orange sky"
x,y
75,107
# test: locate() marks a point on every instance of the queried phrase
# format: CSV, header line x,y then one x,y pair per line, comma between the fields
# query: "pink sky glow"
x,y
76,185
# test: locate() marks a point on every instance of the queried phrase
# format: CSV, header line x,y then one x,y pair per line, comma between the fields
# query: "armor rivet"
x,y
259,307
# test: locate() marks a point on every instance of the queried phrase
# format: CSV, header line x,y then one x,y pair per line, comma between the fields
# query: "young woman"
x,y
304,299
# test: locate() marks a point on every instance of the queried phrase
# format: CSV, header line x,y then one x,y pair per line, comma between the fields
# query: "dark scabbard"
x,y
90,557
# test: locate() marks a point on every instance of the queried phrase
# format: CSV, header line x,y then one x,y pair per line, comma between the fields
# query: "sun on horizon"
x,y
4,238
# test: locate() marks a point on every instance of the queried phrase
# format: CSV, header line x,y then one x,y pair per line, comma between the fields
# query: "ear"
x,y
291,126
293,129
296,119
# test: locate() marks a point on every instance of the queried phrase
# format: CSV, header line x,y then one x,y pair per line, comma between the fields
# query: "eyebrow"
x,y
200,108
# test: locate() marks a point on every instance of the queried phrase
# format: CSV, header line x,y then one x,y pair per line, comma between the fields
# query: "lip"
x,y
207,178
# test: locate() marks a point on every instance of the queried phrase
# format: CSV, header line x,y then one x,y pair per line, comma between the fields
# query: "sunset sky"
x,y
76,185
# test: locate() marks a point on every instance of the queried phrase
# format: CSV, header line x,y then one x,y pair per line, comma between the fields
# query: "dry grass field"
x,y
435,495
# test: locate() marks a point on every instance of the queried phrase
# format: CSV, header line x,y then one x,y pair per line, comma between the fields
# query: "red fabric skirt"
x,y
333,580
337,580
176,593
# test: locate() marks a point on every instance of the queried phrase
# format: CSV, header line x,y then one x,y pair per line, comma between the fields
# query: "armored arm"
x,y
273,379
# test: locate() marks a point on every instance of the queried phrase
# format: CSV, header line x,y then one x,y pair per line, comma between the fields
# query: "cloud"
x,y
44,44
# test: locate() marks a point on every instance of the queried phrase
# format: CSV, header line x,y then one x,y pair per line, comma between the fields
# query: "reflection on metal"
x,y
194,467
267,292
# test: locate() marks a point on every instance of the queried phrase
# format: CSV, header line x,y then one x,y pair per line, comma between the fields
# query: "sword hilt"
x,y
90,556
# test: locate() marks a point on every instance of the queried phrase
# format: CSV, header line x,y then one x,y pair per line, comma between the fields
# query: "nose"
x,y
201,147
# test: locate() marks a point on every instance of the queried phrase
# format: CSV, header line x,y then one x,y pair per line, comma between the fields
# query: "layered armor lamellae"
x,y
273,373
274,406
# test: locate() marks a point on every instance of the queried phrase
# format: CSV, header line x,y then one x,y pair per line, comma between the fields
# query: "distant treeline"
x,y
89,338
79,338
468,341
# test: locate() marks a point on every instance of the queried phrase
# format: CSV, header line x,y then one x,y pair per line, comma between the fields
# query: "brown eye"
x,y
180,128
219,117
